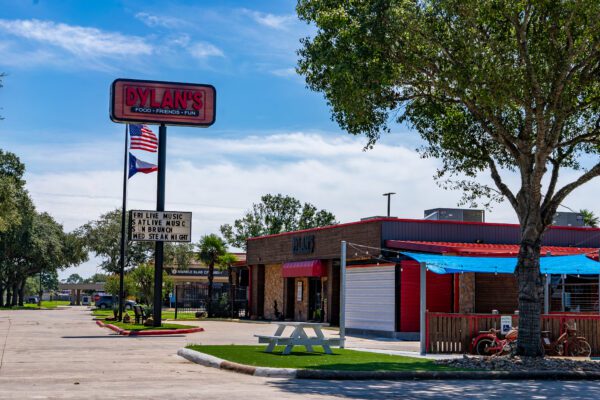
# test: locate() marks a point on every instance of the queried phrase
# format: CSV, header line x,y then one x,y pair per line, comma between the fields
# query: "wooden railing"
x,y
453,333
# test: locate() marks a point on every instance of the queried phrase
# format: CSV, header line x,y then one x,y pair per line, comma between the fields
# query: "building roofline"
x,y
426,221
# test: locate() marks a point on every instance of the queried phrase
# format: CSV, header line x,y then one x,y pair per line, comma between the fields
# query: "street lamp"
x,y
389,195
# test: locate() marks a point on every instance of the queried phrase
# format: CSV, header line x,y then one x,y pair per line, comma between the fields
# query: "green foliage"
x,y
96,278
111,285
11,189
210,249
275,214
103,238
496,86
179,254
589,218
142,280
74,278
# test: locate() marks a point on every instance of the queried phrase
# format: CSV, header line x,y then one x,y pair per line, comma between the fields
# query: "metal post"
x,y
160,206
598,285
547,280
343,295
41,292
564,293
423,308
175,298
389,195
123,250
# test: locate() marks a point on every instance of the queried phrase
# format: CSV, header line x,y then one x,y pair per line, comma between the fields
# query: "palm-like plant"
x,y
589,219
226,261
210,249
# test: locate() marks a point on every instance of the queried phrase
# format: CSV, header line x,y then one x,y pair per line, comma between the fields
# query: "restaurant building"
x,y
296,275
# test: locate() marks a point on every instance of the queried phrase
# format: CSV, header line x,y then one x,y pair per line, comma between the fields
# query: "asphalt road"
x,y
62,354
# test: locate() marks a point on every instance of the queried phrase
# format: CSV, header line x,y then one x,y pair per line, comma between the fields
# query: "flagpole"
x,y
123,253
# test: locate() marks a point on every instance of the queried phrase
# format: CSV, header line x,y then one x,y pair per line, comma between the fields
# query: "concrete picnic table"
x,y
298,337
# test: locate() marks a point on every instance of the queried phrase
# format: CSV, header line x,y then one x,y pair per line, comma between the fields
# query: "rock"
x,y
149,321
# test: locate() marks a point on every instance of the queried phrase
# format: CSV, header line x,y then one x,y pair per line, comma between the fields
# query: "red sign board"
x,y
168,103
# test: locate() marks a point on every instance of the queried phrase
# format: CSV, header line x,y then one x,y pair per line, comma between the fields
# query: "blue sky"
x,y
272,135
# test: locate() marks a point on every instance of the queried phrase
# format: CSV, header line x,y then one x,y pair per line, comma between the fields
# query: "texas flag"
x,y
136,166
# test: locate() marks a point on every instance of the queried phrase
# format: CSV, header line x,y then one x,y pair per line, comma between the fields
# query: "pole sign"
x,y
505,324
160,226
168,103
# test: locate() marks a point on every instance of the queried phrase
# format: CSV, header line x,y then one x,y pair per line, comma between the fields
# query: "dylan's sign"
x,y
303,244
160,226
162,102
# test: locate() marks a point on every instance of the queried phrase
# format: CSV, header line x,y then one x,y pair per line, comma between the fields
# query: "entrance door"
x,y
290,298
315,298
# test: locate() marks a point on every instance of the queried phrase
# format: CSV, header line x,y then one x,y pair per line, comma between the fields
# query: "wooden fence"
x,y
453,333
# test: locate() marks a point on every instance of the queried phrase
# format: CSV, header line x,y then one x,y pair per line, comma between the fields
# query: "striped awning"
x,y
304,268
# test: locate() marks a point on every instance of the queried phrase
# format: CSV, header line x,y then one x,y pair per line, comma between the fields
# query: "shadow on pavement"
x,y
433,389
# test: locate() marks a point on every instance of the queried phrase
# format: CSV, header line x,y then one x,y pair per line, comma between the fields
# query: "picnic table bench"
x,y
298,337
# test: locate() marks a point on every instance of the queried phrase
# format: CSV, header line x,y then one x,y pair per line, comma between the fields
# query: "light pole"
x,y
389,195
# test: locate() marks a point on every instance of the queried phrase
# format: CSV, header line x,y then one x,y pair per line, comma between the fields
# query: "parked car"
x,y
106,301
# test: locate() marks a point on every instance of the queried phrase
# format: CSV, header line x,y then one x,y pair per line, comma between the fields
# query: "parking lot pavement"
x,y
62,354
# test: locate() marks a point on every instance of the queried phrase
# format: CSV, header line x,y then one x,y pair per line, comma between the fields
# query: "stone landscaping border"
x,y
156,332
215,362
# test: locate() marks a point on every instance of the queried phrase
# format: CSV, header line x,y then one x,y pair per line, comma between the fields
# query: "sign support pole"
x,y
423,308
343,295
160,206
123,250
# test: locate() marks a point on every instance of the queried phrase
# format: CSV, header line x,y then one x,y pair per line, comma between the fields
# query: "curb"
x,y
157,332
215,362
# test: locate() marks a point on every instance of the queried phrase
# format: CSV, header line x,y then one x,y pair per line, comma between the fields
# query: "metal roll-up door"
x,y
371,298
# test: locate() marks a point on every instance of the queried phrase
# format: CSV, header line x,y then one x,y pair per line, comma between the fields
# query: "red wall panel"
x,y
439,295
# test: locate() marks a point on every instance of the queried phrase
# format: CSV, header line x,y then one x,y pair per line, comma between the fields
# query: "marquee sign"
x,y
160,226
168,103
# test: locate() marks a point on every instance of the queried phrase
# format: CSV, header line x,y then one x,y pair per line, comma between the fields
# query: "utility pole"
x,y
389,195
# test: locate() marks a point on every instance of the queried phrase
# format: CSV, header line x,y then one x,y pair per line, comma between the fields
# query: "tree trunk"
x,y
8,295
211,271
22,292
1,295
231,291
15,293
530,294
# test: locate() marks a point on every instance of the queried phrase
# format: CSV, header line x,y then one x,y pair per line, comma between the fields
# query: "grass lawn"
x,y
134,327
45,304
165,314
342,359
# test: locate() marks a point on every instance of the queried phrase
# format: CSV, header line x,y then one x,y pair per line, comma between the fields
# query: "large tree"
x,y
275,214
509,88
102,237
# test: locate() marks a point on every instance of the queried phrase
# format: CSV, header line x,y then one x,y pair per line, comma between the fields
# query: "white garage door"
x,y
371,297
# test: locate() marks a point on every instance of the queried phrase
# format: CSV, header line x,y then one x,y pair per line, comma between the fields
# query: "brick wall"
x,y
278,249
273,290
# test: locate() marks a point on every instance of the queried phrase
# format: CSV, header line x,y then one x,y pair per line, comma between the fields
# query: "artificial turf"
x,y
342,359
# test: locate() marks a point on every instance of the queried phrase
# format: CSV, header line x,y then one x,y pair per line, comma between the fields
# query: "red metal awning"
x,y
483,249
303,268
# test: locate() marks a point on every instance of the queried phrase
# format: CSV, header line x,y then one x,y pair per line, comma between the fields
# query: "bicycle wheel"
x,y
483,346
580,348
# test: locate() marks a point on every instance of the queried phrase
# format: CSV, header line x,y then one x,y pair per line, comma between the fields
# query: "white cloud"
x,y
271,20
78,40
203,50
284,72
164,21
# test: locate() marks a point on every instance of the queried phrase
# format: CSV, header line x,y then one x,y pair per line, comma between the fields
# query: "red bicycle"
x,y
487,343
